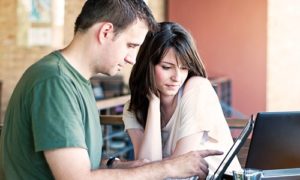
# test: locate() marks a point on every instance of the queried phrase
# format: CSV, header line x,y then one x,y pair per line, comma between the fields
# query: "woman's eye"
x,y
184,68
166,67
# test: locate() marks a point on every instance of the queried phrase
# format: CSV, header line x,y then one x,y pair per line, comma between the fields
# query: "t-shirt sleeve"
x,y
56,118
129,119
200,110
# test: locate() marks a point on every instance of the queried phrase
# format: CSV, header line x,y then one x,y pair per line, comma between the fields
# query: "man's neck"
x,y
77,55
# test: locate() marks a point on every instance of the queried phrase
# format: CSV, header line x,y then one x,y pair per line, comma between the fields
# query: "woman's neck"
x,y
167,101
167,107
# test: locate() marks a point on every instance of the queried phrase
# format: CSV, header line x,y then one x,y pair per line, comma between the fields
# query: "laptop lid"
x,y
275,141
235,148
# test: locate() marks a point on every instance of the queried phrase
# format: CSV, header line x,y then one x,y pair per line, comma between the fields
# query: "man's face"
x,y
123,48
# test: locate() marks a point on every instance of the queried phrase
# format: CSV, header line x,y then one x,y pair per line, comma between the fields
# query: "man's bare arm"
x,y
74,163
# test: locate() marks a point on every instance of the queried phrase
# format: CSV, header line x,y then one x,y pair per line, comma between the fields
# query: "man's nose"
x,y
129,59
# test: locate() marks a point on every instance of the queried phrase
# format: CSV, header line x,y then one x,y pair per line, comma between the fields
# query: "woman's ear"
x,y
105,32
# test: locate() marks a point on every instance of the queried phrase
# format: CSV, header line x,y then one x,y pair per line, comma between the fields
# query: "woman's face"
x,y
170,74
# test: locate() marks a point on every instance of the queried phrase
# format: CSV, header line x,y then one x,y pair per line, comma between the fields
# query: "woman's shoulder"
x,y
196,82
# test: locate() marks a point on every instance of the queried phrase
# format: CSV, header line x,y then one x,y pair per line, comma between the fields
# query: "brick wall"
x,y
15,59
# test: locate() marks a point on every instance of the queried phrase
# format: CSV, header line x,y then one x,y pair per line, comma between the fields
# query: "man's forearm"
x,y
76,165
151,171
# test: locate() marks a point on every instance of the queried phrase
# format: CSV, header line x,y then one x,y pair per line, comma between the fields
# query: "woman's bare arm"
x,y
147,143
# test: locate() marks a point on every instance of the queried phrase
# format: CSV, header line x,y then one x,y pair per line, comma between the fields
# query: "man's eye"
x,y
132,45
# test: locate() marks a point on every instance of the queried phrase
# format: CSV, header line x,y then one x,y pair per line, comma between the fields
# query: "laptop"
x,y
275,141
235,148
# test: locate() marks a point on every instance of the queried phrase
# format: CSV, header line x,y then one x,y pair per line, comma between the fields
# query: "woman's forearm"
x,y
151,146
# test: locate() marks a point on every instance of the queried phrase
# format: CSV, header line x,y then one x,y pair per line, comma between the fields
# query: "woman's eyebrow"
x,y
170,63
166,62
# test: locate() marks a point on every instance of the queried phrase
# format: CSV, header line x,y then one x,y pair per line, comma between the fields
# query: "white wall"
x,y
283,55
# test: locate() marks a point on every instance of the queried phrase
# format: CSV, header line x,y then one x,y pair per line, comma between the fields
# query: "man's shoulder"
x,y
44,69
47,64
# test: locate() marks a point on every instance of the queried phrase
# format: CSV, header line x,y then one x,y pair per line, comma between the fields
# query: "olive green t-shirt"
x,y
52,107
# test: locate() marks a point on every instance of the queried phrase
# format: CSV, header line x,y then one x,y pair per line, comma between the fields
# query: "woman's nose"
x,y
176,75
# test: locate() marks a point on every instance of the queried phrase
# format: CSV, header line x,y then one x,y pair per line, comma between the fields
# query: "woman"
x,y
173,107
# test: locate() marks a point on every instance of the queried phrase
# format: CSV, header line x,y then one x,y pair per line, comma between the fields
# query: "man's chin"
x,y
113,73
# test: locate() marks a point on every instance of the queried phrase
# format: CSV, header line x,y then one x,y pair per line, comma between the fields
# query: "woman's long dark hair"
x,y
156,44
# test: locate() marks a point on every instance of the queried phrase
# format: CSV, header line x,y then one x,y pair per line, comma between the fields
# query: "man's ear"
x,y
105,31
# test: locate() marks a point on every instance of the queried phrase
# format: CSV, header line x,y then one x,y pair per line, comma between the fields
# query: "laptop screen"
x,y
275,141
235,148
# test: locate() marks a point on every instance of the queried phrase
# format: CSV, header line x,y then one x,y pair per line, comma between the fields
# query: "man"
x,y
52,125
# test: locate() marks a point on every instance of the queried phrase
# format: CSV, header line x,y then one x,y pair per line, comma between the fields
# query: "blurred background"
x,y
255,44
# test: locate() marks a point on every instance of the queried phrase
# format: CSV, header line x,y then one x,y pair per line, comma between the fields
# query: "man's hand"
x,y
192,163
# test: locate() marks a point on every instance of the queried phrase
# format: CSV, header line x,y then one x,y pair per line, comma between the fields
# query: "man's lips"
x,y
120,67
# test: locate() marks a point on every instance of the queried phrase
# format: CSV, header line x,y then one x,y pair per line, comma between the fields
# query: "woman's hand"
x,y
152,97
